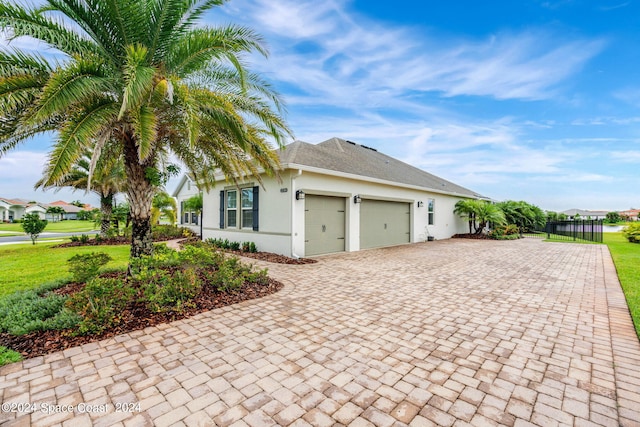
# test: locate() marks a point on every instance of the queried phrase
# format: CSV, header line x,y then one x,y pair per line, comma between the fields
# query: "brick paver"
x,y
442,333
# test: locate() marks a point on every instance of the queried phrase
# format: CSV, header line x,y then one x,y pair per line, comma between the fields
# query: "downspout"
x,y
293,212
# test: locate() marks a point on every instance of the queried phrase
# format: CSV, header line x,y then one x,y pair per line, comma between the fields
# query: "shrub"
x,y
252,248
84,238
8,356
26,311
159,232
164,291
100,304
232,274
75,238
234,246
632,232
245,246
200,256
505,232
85,267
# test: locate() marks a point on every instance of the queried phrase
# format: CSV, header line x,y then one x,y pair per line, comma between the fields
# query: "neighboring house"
x,y
70,211
631,214
585,214
14,209
185,190
335,196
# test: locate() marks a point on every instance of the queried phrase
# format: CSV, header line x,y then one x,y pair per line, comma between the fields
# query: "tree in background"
x,y
77,203
488,213
467,208
140,75
164,206
56,213
33,225
105,177
194,204
613,217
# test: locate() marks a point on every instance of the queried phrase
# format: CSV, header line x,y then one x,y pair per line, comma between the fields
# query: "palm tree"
x,y
195,204
164,205
139,72
467,208
488,213
106,180
56,213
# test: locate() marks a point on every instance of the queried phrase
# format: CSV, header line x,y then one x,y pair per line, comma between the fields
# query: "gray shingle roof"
x,y
343,156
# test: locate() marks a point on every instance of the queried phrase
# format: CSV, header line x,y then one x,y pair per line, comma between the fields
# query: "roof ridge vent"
x,y
351,142
368,148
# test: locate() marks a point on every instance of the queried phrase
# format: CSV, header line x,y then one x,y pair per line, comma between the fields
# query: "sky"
x,y
517,100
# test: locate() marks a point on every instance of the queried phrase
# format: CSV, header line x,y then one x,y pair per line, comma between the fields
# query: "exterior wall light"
x,y
299,195
420,204
357,198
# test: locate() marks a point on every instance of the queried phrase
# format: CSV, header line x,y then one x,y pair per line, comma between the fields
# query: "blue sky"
x,y
526,100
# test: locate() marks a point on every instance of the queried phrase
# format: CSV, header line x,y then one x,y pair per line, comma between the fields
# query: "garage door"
x,y
384,223
324,225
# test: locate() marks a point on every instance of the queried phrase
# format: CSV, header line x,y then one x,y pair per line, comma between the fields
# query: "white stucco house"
x,y
186,189
14,209
333,196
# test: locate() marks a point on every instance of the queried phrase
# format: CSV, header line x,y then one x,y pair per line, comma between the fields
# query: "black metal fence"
x,y
580,230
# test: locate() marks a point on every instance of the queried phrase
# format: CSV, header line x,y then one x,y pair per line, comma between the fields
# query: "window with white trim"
x,y
430,211
239,208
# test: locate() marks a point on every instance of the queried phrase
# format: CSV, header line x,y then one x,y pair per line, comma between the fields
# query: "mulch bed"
x,y
262,256
472,236
136,316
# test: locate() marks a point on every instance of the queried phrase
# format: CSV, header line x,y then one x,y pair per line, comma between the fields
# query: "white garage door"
x,y
323,224
384,223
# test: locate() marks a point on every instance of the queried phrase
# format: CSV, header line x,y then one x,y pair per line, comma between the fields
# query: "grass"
x,y
626,257
28,266
69,226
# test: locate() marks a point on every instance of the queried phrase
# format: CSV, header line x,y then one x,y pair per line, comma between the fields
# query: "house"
x,y
70,211
14,209
585,214
186,189
631,214
331,197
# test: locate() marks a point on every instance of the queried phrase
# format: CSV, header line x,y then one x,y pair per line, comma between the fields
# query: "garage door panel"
x,y
324,224
384,223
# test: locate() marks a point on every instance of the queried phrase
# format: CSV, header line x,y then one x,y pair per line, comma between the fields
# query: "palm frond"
x,y
197,48
81,81
25,22
75,137
145,130
138,79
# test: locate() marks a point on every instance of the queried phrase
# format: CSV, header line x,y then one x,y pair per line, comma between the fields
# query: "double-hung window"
x,y
431,211
239,208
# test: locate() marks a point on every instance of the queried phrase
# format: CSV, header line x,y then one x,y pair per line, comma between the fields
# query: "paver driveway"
x,y
443,333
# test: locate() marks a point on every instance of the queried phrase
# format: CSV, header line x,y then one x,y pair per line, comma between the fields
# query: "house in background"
x,y
334,196
631,214
186,189
585,214
70,211
14,209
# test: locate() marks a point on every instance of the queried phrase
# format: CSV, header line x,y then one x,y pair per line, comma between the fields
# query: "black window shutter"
x,y
222,209
255,208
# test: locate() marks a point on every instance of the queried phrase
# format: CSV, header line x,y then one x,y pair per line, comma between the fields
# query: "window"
x,y
232,208
239,208
247,208
430,211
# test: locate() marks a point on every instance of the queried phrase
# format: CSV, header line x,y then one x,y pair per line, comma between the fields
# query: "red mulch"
x,y
472,236
136,316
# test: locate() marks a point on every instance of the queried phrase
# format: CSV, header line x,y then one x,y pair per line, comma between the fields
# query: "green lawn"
x,y
25,266
53,227
626,257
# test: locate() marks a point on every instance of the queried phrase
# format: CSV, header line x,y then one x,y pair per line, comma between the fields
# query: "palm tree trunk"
x,y
106,207
140,192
